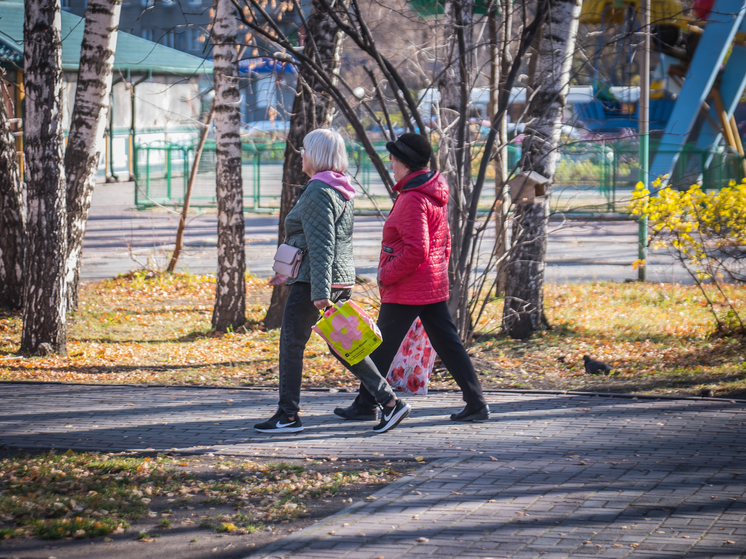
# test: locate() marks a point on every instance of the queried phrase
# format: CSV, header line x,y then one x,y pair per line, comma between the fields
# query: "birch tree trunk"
x,y
312,108
45,288
523,313
12,218
87,128
230,291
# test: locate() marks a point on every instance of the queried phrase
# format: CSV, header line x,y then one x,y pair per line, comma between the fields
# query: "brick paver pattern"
x,y
549,476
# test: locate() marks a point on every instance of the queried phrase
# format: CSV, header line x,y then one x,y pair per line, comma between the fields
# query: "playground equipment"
x,y
695,88
713,84
615,106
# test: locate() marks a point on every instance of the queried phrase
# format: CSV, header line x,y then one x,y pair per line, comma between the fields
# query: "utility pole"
x,y
644,128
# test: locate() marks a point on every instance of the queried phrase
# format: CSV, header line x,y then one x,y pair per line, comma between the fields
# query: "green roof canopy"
x,y
430,8
133,54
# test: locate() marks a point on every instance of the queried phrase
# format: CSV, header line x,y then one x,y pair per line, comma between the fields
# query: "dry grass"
x,y
84,495
156,329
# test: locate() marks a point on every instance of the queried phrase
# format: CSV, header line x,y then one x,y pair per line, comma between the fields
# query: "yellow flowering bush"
x,y
706,231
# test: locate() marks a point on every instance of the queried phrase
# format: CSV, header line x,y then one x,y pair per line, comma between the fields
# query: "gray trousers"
x,y
299,317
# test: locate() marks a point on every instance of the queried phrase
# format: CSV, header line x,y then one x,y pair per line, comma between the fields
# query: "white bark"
x,y
523,313
230,292
88,126
45,288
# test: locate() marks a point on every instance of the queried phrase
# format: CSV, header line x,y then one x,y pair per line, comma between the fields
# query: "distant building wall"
x,y
184,25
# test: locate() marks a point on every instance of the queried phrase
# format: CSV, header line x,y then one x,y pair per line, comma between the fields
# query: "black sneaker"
x,y
391,417
466,414
353,413
279,423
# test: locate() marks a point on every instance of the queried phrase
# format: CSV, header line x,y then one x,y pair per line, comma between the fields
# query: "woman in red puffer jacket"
x,y
413,277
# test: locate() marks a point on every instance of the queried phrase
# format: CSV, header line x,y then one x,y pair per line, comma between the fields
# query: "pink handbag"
x,y
288,260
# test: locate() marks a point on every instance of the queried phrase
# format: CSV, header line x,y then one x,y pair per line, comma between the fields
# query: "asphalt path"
x,y
120,238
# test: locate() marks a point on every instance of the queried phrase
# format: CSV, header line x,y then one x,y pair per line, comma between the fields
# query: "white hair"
x,y
325,151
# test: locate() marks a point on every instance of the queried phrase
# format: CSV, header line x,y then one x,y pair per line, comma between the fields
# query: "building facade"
x,y
267,89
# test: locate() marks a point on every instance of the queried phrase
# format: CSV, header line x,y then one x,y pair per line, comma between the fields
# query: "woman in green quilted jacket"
x,y
321,224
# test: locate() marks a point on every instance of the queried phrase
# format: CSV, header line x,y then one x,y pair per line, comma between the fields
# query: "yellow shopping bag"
x,y
350,332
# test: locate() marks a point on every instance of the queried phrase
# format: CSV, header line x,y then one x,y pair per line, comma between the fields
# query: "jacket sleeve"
x,y
319,229
414,233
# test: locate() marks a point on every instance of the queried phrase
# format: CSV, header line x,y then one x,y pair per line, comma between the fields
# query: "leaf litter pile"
x,y
144,328
85,495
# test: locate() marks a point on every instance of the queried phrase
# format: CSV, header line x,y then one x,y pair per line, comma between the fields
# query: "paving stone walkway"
x,y
550,476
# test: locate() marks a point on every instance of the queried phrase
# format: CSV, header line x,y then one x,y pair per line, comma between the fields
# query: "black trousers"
x,y
394,321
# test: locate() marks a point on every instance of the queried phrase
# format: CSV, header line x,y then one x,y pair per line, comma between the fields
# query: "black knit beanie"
x,y
411,149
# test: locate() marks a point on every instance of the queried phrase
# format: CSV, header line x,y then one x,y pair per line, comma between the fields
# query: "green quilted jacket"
x,y
322,222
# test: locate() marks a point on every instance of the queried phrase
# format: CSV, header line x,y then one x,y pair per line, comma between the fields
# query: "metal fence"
x,y
163,169
601,177
591,177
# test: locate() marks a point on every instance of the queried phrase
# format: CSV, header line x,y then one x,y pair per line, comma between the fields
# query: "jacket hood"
x,y
338,181
430,183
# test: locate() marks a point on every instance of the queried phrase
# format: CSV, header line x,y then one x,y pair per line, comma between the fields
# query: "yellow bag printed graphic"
x,y
350,332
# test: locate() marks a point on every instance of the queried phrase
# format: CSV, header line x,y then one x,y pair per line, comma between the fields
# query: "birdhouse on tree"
x,y
525,187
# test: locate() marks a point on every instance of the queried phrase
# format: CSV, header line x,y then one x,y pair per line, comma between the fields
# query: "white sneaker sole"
x,y
280,430
395,420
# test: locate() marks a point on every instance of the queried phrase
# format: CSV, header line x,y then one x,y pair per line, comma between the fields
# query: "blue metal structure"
x,y
707,77
601,117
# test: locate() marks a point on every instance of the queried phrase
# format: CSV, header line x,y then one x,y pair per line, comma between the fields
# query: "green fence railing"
x,y
591,177
162,172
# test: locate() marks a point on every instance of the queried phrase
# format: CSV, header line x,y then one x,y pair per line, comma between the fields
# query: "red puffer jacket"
x,y
413,269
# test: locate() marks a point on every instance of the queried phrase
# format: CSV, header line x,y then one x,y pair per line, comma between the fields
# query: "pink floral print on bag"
x,y
413,364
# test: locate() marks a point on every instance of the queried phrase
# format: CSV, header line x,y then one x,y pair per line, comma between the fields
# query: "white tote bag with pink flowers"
x,y
413,364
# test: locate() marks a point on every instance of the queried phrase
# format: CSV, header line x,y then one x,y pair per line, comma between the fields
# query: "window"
x,y
65,4
265,91
195,2
195,39
147,34
168,39
147,3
